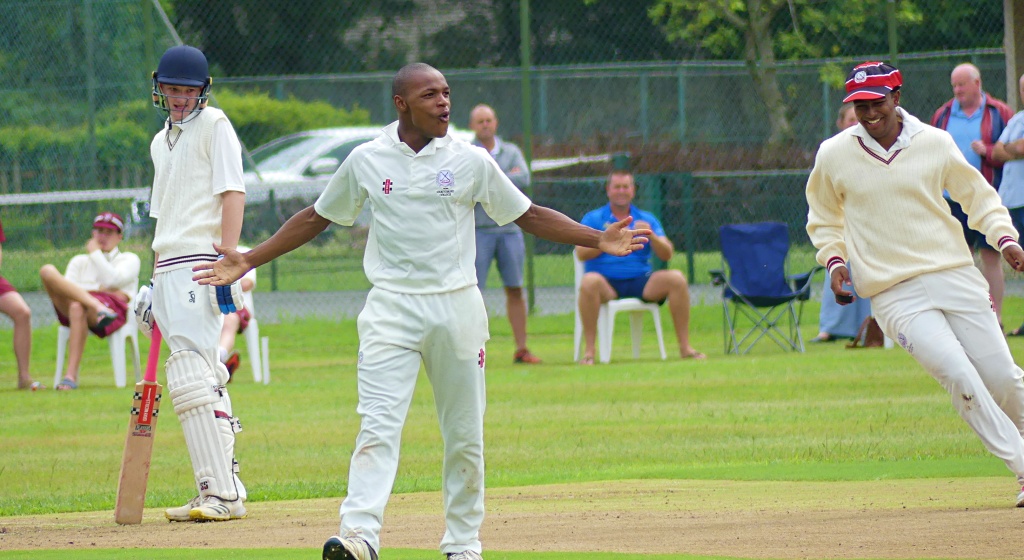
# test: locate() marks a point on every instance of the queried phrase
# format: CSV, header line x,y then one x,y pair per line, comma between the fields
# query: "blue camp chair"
x,y
759,299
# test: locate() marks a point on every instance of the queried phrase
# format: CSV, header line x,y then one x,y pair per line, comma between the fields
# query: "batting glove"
x,y
144,309
227,299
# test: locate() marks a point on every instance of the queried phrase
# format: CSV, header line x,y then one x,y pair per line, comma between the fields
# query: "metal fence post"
x,y
273,264
687,216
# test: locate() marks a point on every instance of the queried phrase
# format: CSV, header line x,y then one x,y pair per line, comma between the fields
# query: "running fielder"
x,y
424,304
875,197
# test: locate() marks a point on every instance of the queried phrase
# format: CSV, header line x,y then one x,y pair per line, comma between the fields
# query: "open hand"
x,y
619,240
223,272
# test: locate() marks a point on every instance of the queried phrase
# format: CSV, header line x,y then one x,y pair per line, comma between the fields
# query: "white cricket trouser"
x,y
396,331
945,320
187,321
184,314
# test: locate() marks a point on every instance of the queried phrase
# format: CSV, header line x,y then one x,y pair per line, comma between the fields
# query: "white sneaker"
x,y
213,508
1020,498
348,548
181,513
465,555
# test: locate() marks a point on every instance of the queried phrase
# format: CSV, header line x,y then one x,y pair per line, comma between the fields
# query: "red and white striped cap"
x,y
871,80
108,220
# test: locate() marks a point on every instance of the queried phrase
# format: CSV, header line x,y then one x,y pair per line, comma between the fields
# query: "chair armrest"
x,y
802,282
717,277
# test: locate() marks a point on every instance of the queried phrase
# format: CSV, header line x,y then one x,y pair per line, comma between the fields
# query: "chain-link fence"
x,y
667,81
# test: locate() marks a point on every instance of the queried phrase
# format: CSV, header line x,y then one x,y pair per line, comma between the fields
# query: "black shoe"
x,y
348,548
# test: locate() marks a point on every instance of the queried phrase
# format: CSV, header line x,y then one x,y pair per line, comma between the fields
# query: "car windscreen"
x,y
281,156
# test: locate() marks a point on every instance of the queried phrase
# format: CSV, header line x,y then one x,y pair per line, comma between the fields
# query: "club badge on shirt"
x,y
445,182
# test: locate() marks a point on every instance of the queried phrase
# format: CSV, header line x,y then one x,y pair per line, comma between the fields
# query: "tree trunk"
x,y
760,58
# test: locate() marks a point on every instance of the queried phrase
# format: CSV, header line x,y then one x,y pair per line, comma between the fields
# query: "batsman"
x,y
198,198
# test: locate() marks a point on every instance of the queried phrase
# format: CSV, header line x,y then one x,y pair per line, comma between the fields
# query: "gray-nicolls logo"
x,y
191,296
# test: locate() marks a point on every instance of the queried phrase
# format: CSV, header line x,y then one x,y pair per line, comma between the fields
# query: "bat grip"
x,y
154,354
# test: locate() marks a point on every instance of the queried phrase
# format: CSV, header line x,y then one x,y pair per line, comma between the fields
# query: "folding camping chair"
x,y
759,299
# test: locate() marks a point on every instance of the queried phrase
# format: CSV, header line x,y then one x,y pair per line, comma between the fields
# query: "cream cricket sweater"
x,y
885,212
187,185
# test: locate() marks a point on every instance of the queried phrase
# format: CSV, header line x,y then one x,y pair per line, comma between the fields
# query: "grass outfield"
x,y
830,414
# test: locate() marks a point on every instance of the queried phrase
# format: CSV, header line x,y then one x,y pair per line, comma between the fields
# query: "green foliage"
x,y
259,118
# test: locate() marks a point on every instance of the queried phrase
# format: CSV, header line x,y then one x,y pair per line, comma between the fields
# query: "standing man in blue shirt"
x,y
1010,149
503,244
610,277
975,120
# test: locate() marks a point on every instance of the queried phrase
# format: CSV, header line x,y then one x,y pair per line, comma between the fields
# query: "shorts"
x,y
5,286
1017,215
975,239
510,251
115,305
632,287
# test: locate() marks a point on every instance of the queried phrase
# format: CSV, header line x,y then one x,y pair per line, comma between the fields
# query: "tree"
x,y
761,32
275,37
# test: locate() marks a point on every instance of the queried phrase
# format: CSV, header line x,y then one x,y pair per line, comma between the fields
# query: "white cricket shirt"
x,y
193,163
422,233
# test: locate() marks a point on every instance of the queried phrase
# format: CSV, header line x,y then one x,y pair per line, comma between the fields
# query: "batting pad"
x,y
228,425
196,397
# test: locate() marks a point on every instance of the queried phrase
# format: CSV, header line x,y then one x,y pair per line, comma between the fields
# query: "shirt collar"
x,y
956,109
497,145
391,131
911,127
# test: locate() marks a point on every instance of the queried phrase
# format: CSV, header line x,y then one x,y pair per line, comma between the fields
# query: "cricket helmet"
x,y
182,66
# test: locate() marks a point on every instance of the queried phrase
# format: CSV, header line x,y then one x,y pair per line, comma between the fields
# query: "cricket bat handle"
x,y
154,354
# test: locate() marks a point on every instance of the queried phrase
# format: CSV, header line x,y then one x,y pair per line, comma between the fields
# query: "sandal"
x,y
695,355
33,386
1019,331
105,317
587,361
66,385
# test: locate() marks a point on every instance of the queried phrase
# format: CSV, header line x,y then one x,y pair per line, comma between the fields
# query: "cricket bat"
x,y
138,445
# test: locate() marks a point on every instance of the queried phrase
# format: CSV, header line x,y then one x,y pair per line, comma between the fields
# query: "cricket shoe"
x,y
1020,498
524,356
181,513
213,508
465,555
348,548
232,363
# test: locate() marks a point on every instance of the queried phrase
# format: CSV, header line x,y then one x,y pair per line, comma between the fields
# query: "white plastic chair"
x,y
117,342
606,321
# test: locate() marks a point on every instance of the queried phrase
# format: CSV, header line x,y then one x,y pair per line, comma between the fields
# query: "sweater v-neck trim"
x,y
876,156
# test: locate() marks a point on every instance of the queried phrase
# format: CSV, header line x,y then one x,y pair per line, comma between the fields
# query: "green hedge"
x,y
39,157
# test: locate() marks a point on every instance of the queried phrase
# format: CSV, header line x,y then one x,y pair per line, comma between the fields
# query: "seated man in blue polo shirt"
x,y
608,277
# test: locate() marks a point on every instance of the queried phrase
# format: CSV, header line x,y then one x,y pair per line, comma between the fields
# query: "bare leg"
x,y
14,306
227,332
76,342
992,270
594,290
672,284
515,305
63,291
